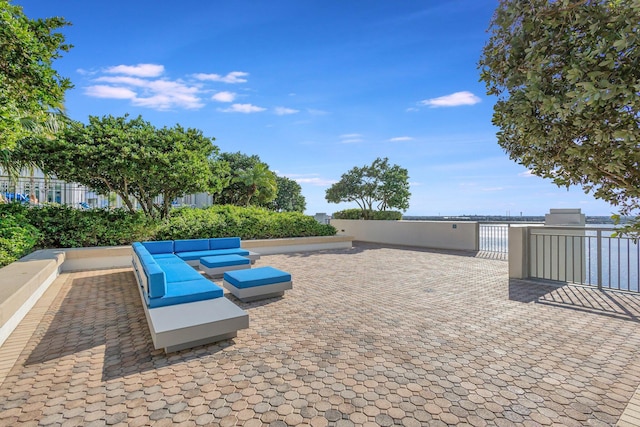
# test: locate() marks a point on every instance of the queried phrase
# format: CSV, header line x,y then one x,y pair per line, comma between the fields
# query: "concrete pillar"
x,y
562,217
518,252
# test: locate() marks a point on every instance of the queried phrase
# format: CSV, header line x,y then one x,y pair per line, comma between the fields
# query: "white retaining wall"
x,y
427,234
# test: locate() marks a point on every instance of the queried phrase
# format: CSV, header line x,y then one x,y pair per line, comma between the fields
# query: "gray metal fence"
x,y
586,255
494,238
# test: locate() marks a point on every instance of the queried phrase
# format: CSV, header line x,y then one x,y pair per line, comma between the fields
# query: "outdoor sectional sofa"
x,y
183,308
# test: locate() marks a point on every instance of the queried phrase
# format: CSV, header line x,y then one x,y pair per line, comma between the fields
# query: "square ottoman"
x,y
257,283
216,265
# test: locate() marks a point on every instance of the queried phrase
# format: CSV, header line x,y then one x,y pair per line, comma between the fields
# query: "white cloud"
x,y
453,100
232,77
140,70
351,138
156,94
224,97
526,174
124,80
401,138
283,111
311,179
314,112
103,91
242,108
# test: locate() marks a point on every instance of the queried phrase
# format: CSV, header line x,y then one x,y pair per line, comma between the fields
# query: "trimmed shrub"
x,y
65,227
387,215
357,213
17,237
246,223
24,228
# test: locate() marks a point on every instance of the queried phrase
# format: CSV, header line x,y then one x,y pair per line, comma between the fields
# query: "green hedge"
x,y
360,214
66,227
17,237
246,223
24,228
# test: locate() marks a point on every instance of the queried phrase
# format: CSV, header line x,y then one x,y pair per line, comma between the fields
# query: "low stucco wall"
x,y
426,234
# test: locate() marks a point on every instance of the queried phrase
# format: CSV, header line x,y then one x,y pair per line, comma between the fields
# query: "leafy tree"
x,y
132,159
289,197
380,184
250,181
259,181
30,89
567,78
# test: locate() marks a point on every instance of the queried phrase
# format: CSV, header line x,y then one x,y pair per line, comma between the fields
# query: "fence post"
x,y
518,252
599,257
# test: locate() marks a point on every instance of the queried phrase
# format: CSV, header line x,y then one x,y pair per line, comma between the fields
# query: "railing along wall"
x,y
494,238
584,255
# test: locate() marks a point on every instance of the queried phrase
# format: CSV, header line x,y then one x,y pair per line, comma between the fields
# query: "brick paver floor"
x,y
368,336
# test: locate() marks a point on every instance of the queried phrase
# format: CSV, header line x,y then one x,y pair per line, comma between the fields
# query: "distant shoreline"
x,y
501,218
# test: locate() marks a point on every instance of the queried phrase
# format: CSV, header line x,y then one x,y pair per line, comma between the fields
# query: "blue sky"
x,y
314,88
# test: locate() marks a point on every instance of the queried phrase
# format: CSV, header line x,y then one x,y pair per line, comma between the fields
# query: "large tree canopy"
x,y
30,89
378,184
567,77
250,181
130,158
289,198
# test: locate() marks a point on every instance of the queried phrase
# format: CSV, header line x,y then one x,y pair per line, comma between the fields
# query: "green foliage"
x,y
289,198
24,228
381,184
132,159
259,181
355,213
30,89
567,79
65,227
373,215
17,237
387,215
250,182
247,223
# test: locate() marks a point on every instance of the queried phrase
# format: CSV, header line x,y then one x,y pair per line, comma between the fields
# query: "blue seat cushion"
x,y
224,261
191,245
256,277
176,270
196,255
187,291
224,243
159,247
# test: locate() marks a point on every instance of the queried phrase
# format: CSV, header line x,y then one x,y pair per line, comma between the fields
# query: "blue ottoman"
x,y
216,265
257,283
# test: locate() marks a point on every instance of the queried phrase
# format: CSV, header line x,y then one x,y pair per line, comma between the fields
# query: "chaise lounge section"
x,y
183,309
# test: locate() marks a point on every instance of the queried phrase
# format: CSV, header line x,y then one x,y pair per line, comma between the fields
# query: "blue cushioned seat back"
x,y
224,243
156,280
159,247
191,245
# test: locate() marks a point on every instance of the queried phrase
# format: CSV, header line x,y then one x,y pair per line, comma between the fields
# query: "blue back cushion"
x,y
160,247
191,245
156,280
224,243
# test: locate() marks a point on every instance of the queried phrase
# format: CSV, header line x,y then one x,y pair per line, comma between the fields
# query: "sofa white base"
x,y
180,326
258,292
